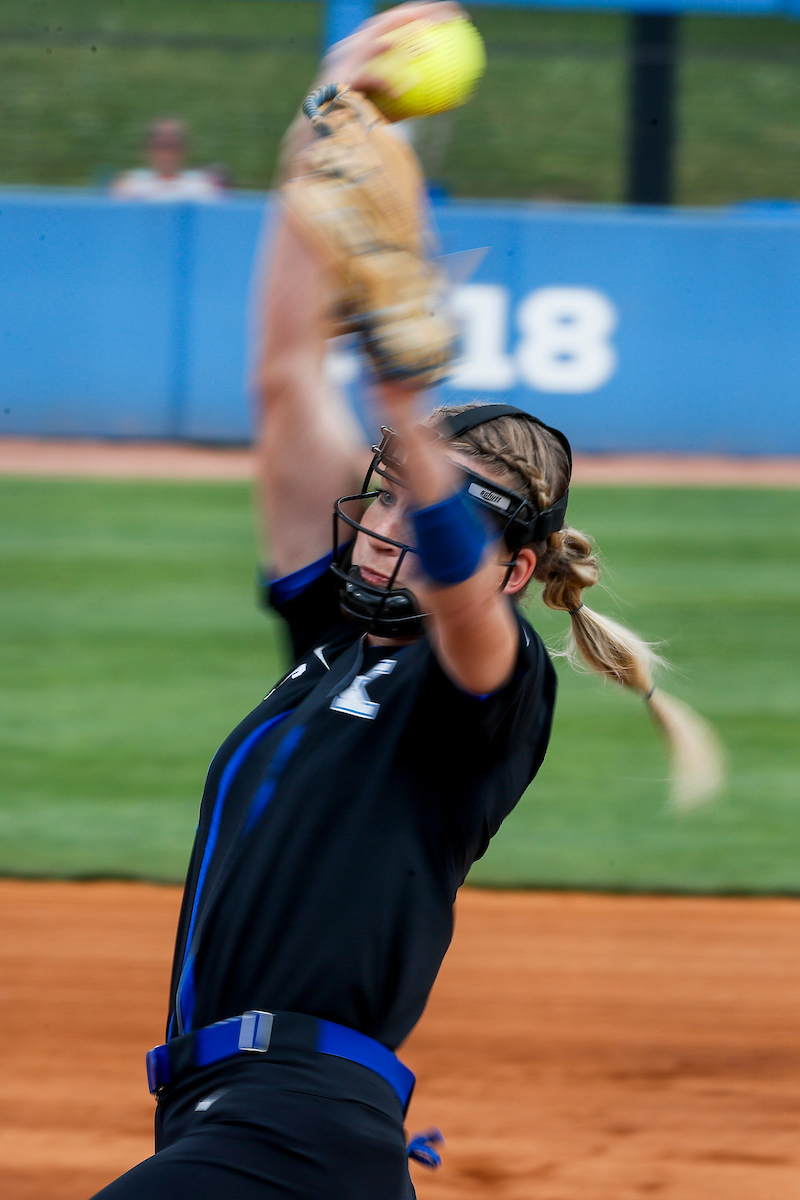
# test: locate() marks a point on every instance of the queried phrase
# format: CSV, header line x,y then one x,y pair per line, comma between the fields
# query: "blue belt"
x,y
258,1032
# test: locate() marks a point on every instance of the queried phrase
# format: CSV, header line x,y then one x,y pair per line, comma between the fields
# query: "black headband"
x,y
549,520
452,427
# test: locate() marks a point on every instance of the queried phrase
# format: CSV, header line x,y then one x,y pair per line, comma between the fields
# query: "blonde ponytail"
x,y
535,463
566,566
698,759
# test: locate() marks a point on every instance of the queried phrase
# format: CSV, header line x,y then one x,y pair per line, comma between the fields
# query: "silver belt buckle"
x,y
255,1031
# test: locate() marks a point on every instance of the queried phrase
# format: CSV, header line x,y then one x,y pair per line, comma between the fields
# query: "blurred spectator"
x,y
165,179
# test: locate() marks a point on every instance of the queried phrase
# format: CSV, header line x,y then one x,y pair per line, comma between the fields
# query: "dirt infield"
x,y
173,460
576,1047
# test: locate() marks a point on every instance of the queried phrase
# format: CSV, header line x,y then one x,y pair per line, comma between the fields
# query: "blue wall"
x,y
632,330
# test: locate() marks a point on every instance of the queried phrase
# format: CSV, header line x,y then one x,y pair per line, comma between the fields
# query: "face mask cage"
x,y
386,460
394,612
517,518
388,611
521,522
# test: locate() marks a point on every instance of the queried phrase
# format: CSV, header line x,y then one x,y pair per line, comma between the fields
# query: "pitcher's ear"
x,y
522,570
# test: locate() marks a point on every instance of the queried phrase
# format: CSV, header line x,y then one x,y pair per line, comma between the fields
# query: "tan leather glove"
x,y
357,190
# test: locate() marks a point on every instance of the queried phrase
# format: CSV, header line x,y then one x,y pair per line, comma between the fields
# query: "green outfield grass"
x,y
131,645
80,79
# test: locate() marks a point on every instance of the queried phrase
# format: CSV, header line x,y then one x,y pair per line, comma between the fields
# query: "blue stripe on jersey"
x,y
184,1003
270,780
232,766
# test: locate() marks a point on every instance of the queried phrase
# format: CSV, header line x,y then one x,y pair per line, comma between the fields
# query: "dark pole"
x,y
651,107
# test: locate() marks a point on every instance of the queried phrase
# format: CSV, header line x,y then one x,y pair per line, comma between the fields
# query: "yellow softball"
x,y
427,68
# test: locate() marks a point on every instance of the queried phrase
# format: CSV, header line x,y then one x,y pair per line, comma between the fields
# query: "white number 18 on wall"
x,y
564,339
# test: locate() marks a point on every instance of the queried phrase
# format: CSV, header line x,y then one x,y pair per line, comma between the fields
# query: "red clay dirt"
x,y
576,1047
176,460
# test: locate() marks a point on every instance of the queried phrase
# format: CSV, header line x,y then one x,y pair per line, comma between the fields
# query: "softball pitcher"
x,y
342,815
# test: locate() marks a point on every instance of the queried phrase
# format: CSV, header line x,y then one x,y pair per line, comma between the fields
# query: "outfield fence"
x,y
632,329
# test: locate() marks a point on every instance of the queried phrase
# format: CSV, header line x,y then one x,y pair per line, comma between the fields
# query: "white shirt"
x,y
144,184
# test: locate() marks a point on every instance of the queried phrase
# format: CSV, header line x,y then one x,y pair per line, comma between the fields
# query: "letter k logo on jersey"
x,y
354,700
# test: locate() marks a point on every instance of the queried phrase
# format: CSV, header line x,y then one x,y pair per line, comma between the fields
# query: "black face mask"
x,y
388,611
394,612
521,523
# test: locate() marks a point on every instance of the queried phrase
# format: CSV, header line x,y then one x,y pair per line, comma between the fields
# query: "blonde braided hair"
x,y
535,464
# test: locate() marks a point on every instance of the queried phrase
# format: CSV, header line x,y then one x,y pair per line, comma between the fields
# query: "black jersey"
x,y
340,818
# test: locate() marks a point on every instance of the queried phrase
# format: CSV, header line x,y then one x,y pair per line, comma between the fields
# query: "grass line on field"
x,y
177,461
132,645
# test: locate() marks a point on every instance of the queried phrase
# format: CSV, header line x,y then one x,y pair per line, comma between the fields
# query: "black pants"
x,y
306,1127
